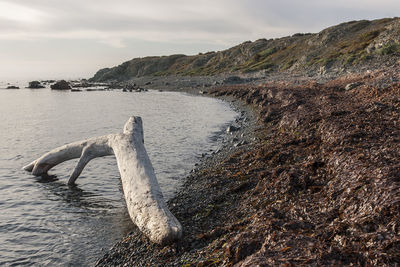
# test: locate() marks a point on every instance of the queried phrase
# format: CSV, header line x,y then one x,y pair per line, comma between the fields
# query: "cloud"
x,y
19,13
166,21
107,32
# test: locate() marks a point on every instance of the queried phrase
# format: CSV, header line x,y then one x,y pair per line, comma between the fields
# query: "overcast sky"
x,y
69,39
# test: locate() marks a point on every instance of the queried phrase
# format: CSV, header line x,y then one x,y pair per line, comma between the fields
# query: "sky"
x,y
54,39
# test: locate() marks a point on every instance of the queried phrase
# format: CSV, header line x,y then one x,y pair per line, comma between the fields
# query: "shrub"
x,y
389,49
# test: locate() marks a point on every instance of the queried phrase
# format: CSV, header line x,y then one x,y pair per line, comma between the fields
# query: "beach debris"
x,y
144,199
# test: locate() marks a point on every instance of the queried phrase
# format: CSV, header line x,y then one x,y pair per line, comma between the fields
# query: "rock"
x,y
148,83
12,87
61,85
351,86
216,83
232,129
76,90
95,89
48,81
203,92
243,142
232,80
35,85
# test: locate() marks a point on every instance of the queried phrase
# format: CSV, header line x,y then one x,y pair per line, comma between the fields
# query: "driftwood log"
x,y
142,192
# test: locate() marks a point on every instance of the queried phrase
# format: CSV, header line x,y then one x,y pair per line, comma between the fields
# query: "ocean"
x,y
46,222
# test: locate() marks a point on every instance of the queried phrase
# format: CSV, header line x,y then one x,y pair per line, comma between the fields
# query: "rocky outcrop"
x,y
338,48
61,85
35,85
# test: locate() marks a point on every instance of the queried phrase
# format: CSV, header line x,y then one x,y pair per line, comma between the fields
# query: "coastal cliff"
x,y
345,46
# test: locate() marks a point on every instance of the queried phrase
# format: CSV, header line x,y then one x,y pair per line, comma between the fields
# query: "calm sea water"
x,y
49,223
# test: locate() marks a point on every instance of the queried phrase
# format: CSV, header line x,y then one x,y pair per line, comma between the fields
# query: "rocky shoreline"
x,y
193,198
316,182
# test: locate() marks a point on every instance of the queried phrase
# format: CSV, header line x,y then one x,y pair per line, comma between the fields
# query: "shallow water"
x,y
47,223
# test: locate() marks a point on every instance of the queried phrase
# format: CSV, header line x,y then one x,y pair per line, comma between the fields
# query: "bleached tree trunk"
x,y
142,192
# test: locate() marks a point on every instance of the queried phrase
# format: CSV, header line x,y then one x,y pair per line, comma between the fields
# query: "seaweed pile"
x,y
320,186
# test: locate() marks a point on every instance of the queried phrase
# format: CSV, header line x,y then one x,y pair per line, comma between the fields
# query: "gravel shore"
x,y
200,204
310,177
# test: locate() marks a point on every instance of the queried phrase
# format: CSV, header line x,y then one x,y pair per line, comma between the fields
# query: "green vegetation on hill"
x,y
347,44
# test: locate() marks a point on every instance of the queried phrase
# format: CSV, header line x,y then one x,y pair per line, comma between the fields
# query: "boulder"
x,y
35,85
61,85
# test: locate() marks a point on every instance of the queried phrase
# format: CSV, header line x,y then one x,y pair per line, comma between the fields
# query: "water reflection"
x,y
74,196
46,178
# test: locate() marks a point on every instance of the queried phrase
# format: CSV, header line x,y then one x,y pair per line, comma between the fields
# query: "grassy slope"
x,y
341,46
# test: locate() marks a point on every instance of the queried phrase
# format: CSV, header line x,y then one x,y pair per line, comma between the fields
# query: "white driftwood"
x,y
142,192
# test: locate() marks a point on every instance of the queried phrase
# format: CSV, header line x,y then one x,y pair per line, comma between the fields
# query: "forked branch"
x,y
142,192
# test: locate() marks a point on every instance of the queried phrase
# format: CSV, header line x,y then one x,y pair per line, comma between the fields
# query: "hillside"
x,y
340,47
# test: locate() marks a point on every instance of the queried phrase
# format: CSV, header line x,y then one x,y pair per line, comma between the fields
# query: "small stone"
x,y
351,86
232,129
